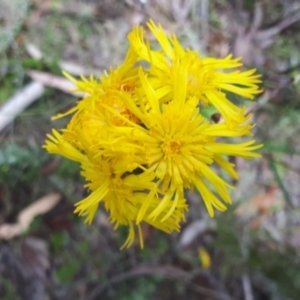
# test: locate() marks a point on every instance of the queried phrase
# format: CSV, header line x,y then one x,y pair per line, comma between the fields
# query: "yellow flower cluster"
x,y
141,138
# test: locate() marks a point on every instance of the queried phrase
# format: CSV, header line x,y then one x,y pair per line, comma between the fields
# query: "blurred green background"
x,y
253,247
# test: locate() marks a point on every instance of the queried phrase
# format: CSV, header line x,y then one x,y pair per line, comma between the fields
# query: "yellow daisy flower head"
x,y
205,80
101,90
111,181
141,139
123,197
181,145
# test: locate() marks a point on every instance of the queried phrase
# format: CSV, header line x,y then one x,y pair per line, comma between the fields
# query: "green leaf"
x,y
273,167
281,148
207,111
67,272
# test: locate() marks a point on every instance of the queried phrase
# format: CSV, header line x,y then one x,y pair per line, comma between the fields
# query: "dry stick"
x,y
53,81
204,17
247,288
167,271
19,102
286,22
181,9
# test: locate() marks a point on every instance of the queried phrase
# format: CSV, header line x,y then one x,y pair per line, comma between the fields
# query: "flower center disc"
x,y
171,147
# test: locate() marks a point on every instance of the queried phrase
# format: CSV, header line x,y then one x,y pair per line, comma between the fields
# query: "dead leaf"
x,y
25,217
259,206
260,203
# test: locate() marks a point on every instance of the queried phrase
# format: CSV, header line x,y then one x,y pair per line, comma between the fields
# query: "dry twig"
x,y
53,81
19,102
167,271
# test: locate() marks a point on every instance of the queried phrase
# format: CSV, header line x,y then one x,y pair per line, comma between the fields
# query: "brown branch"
x,y
166,271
